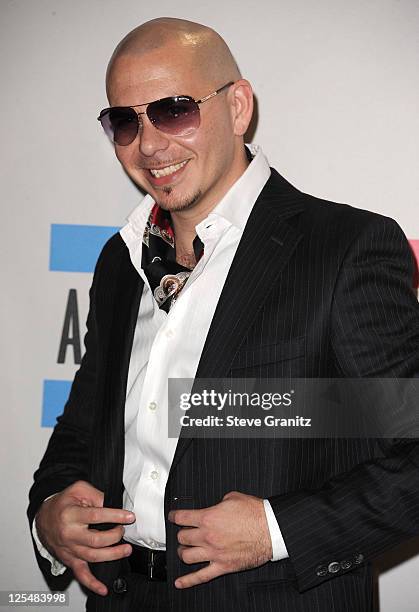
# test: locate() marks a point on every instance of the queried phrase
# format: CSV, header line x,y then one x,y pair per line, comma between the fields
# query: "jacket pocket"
x,y
269,353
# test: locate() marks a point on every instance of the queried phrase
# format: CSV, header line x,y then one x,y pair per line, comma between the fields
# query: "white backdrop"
x,y
338,98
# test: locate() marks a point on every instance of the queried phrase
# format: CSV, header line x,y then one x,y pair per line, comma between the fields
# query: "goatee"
x,y
184,204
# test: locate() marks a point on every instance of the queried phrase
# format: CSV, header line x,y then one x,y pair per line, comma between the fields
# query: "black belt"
x,y
148,562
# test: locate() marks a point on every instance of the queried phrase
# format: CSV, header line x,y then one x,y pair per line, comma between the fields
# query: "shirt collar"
x,y
236,206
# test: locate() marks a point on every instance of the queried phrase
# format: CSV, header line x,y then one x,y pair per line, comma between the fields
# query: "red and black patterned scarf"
x,y
165,275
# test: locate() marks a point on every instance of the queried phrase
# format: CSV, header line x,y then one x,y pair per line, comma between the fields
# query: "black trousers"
x,y
141,595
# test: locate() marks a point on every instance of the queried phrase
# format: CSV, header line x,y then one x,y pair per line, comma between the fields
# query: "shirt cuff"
x,y
279,550
57,568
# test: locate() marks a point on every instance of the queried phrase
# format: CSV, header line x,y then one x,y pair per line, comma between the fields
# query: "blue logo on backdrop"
x,y
73,248
55,395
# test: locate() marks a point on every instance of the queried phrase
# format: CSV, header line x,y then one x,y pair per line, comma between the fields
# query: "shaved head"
x,y
195,45
185,173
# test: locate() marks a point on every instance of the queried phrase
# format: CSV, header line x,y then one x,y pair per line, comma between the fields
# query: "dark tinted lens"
x,y
121,124
178,115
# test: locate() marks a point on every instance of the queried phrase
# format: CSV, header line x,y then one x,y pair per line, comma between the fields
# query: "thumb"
x,y
86,494
231,494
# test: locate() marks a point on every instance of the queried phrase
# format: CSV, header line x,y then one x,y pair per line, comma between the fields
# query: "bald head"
x,y
195,46
202,154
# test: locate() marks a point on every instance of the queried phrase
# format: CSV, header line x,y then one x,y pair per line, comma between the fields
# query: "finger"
x,y
94,516
193,554
93,538
187,518
190,537
98,555
205,574
83,574
108,515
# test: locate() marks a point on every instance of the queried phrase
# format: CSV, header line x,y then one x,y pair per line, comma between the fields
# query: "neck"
x,y
184,230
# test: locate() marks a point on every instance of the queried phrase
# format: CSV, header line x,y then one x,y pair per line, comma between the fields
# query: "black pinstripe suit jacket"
x,y
316,289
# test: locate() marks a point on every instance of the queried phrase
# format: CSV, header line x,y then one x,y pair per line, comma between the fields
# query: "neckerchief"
x,y
165,275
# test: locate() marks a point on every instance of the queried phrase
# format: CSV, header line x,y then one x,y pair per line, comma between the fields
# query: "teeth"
x,y
168,170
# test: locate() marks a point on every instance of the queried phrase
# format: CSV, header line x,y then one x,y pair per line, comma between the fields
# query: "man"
x,y
224,270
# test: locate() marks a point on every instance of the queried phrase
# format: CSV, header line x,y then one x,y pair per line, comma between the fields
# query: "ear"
x,y
241,95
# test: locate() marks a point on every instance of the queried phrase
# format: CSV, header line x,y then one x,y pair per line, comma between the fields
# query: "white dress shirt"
x,y
169,345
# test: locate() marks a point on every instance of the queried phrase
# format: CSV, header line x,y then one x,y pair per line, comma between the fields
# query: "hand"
x,y
63,522
232,536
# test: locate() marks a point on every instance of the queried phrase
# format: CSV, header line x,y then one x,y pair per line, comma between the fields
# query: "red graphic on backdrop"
x,y
414,245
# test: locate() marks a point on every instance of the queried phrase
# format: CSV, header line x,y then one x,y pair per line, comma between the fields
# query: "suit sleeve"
x,y
358,515
66,458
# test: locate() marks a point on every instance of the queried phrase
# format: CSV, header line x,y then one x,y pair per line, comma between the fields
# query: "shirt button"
x,y
151,543
152,406
170,333
334,567
154,474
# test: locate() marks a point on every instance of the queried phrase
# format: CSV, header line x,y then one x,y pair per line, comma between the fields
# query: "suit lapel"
x,y
267,243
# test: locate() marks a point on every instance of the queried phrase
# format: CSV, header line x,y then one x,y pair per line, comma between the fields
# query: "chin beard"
x,y
175,206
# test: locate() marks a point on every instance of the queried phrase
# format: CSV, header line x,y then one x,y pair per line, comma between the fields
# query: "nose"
x,y
151,139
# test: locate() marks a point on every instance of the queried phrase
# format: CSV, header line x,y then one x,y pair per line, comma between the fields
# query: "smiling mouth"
x,y
167,170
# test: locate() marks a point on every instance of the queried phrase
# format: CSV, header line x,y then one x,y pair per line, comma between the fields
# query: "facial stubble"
x,y
186,204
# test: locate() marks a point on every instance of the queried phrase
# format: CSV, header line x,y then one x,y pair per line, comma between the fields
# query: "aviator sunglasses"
x,y
176,115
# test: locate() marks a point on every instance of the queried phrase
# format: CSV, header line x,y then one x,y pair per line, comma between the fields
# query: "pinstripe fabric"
x,y
141,595
316,289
